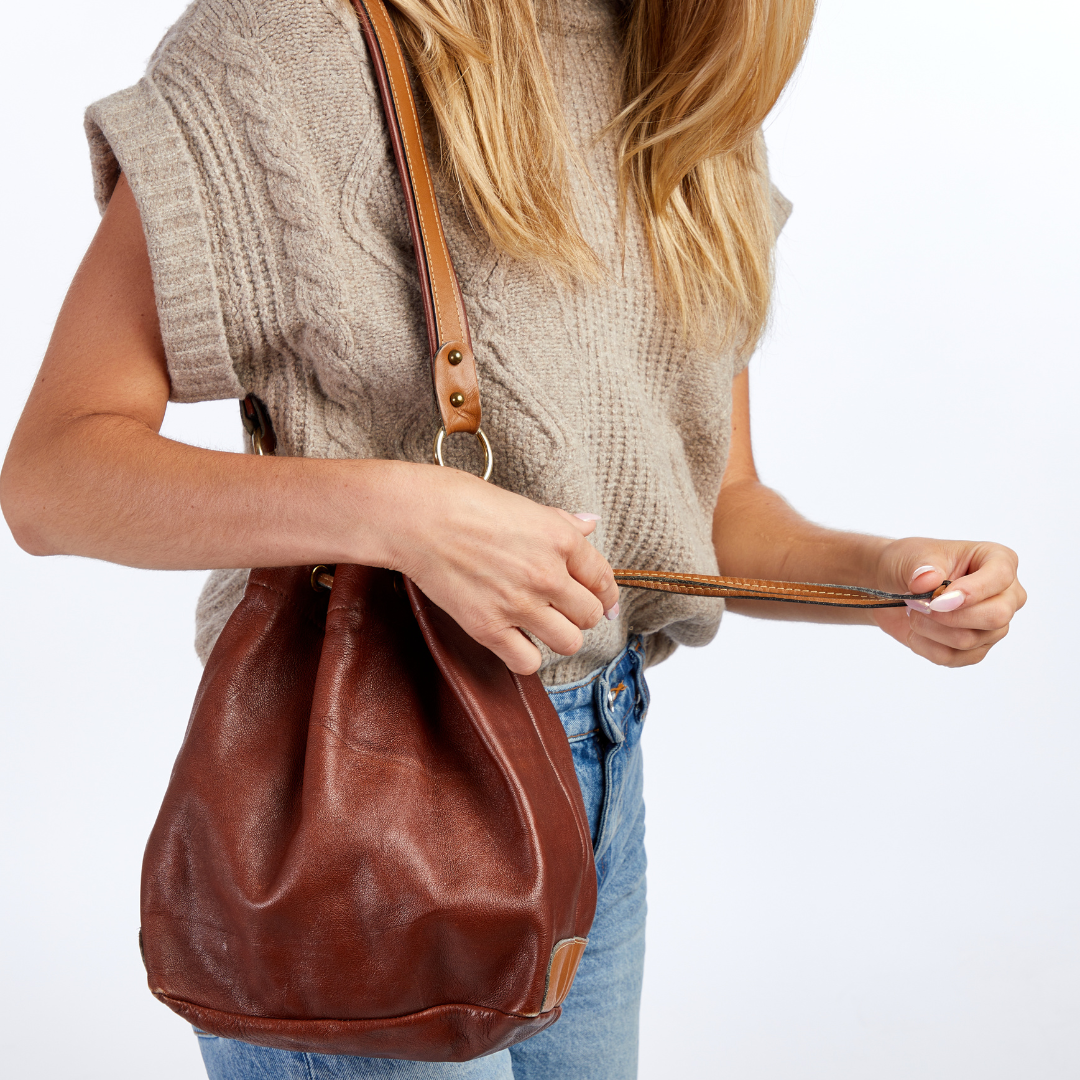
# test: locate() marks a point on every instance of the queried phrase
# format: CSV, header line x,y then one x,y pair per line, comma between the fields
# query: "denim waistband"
x,y
612,696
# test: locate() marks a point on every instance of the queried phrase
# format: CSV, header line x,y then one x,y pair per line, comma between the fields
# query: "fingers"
x,y
943,645
504,566
584,522
955,638
578,604
554,595
926,577
988,615
959,626
555,630
559,628
573,596
546,624
965,635
515,650
978,572
989,575
588,567
942,655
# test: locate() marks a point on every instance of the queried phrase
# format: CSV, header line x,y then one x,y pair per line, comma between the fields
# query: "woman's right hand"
x,y
495,561
88,474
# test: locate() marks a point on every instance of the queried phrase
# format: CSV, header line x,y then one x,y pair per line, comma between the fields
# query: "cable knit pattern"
x,y
256,150
308,244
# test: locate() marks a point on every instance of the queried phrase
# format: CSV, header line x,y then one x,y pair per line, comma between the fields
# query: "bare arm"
x,y
756,533
88,474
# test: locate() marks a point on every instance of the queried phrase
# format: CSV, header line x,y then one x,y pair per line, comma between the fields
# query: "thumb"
x,y
585,523
923,578
921,574
914,566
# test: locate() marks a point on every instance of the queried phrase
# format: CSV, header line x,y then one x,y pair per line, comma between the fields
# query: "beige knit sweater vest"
x,y
256,150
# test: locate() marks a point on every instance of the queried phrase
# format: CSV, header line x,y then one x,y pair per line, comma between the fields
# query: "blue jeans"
x,y
597,1036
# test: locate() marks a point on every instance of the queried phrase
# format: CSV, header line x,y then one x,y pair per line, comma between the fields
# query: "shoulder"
x,y
238,145
304,25
305,53
236,80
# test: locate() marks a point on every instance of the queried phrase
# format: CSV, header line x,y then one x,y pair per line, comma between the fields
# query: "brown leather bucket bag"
x,y
373,841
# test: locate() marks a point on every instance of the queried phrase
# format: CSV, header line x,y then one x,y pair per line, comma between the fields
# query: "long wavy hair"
x,y
699,78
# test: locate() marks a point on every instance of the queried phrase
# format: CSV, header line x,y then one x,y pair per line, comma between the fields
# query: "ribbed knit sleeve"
x,y
137,132
235,145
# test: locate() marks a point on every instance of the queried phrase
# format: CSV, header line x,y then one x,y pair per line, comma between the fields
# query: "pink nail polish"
x,y
925,570
949,601
918,605
588,517
612,613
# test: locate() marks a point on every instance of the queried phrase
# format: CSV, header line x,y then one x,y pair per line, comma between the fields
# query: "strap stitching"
x,y
702,590
675,583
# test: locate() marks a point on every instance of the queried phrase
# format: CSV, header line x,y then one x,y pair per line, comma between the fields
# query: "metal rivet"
x,y
457,399
455,357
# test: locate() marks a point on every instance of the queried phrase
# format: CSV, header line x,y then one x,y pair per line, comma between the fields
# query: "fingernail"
x,y
612,613
917,605
588,517
948,601
925,570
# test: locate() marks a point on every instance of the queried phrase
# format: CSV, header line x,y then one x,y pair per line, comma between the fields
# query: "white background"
x,y
861,866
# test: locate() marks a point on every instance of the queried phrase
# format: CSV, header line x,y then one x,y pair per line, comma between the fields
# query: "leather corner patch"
x,y
562,967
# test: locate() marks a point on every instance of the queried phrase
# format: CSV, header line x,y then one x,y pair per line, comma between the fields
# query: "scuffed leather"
x,y
370,818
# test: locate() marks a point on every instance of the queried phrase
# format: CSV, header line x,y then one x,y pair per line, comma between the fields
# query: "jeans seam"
x,y
608,797
574,686
583,735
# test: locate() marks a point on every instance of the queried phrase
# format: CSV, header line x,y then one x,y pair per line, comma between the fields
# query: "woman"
x,y
609,213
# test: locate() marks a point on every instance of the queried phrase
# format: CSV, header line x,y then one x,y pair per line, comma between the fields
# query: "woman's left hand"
x,y
972,615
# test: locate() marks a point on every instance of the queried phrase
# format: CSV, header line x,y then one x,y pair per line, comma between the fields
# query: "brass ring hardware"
x,y
481,438
322,578
257,425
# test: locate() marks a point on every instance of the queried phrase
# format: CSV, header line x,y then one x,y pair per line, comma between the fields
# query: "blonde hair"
x,y
700,76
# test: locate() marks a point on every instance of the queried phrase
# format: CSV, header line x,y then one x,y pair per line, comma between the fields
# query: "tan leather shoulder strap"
x,y
789,592
453,368
786,592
